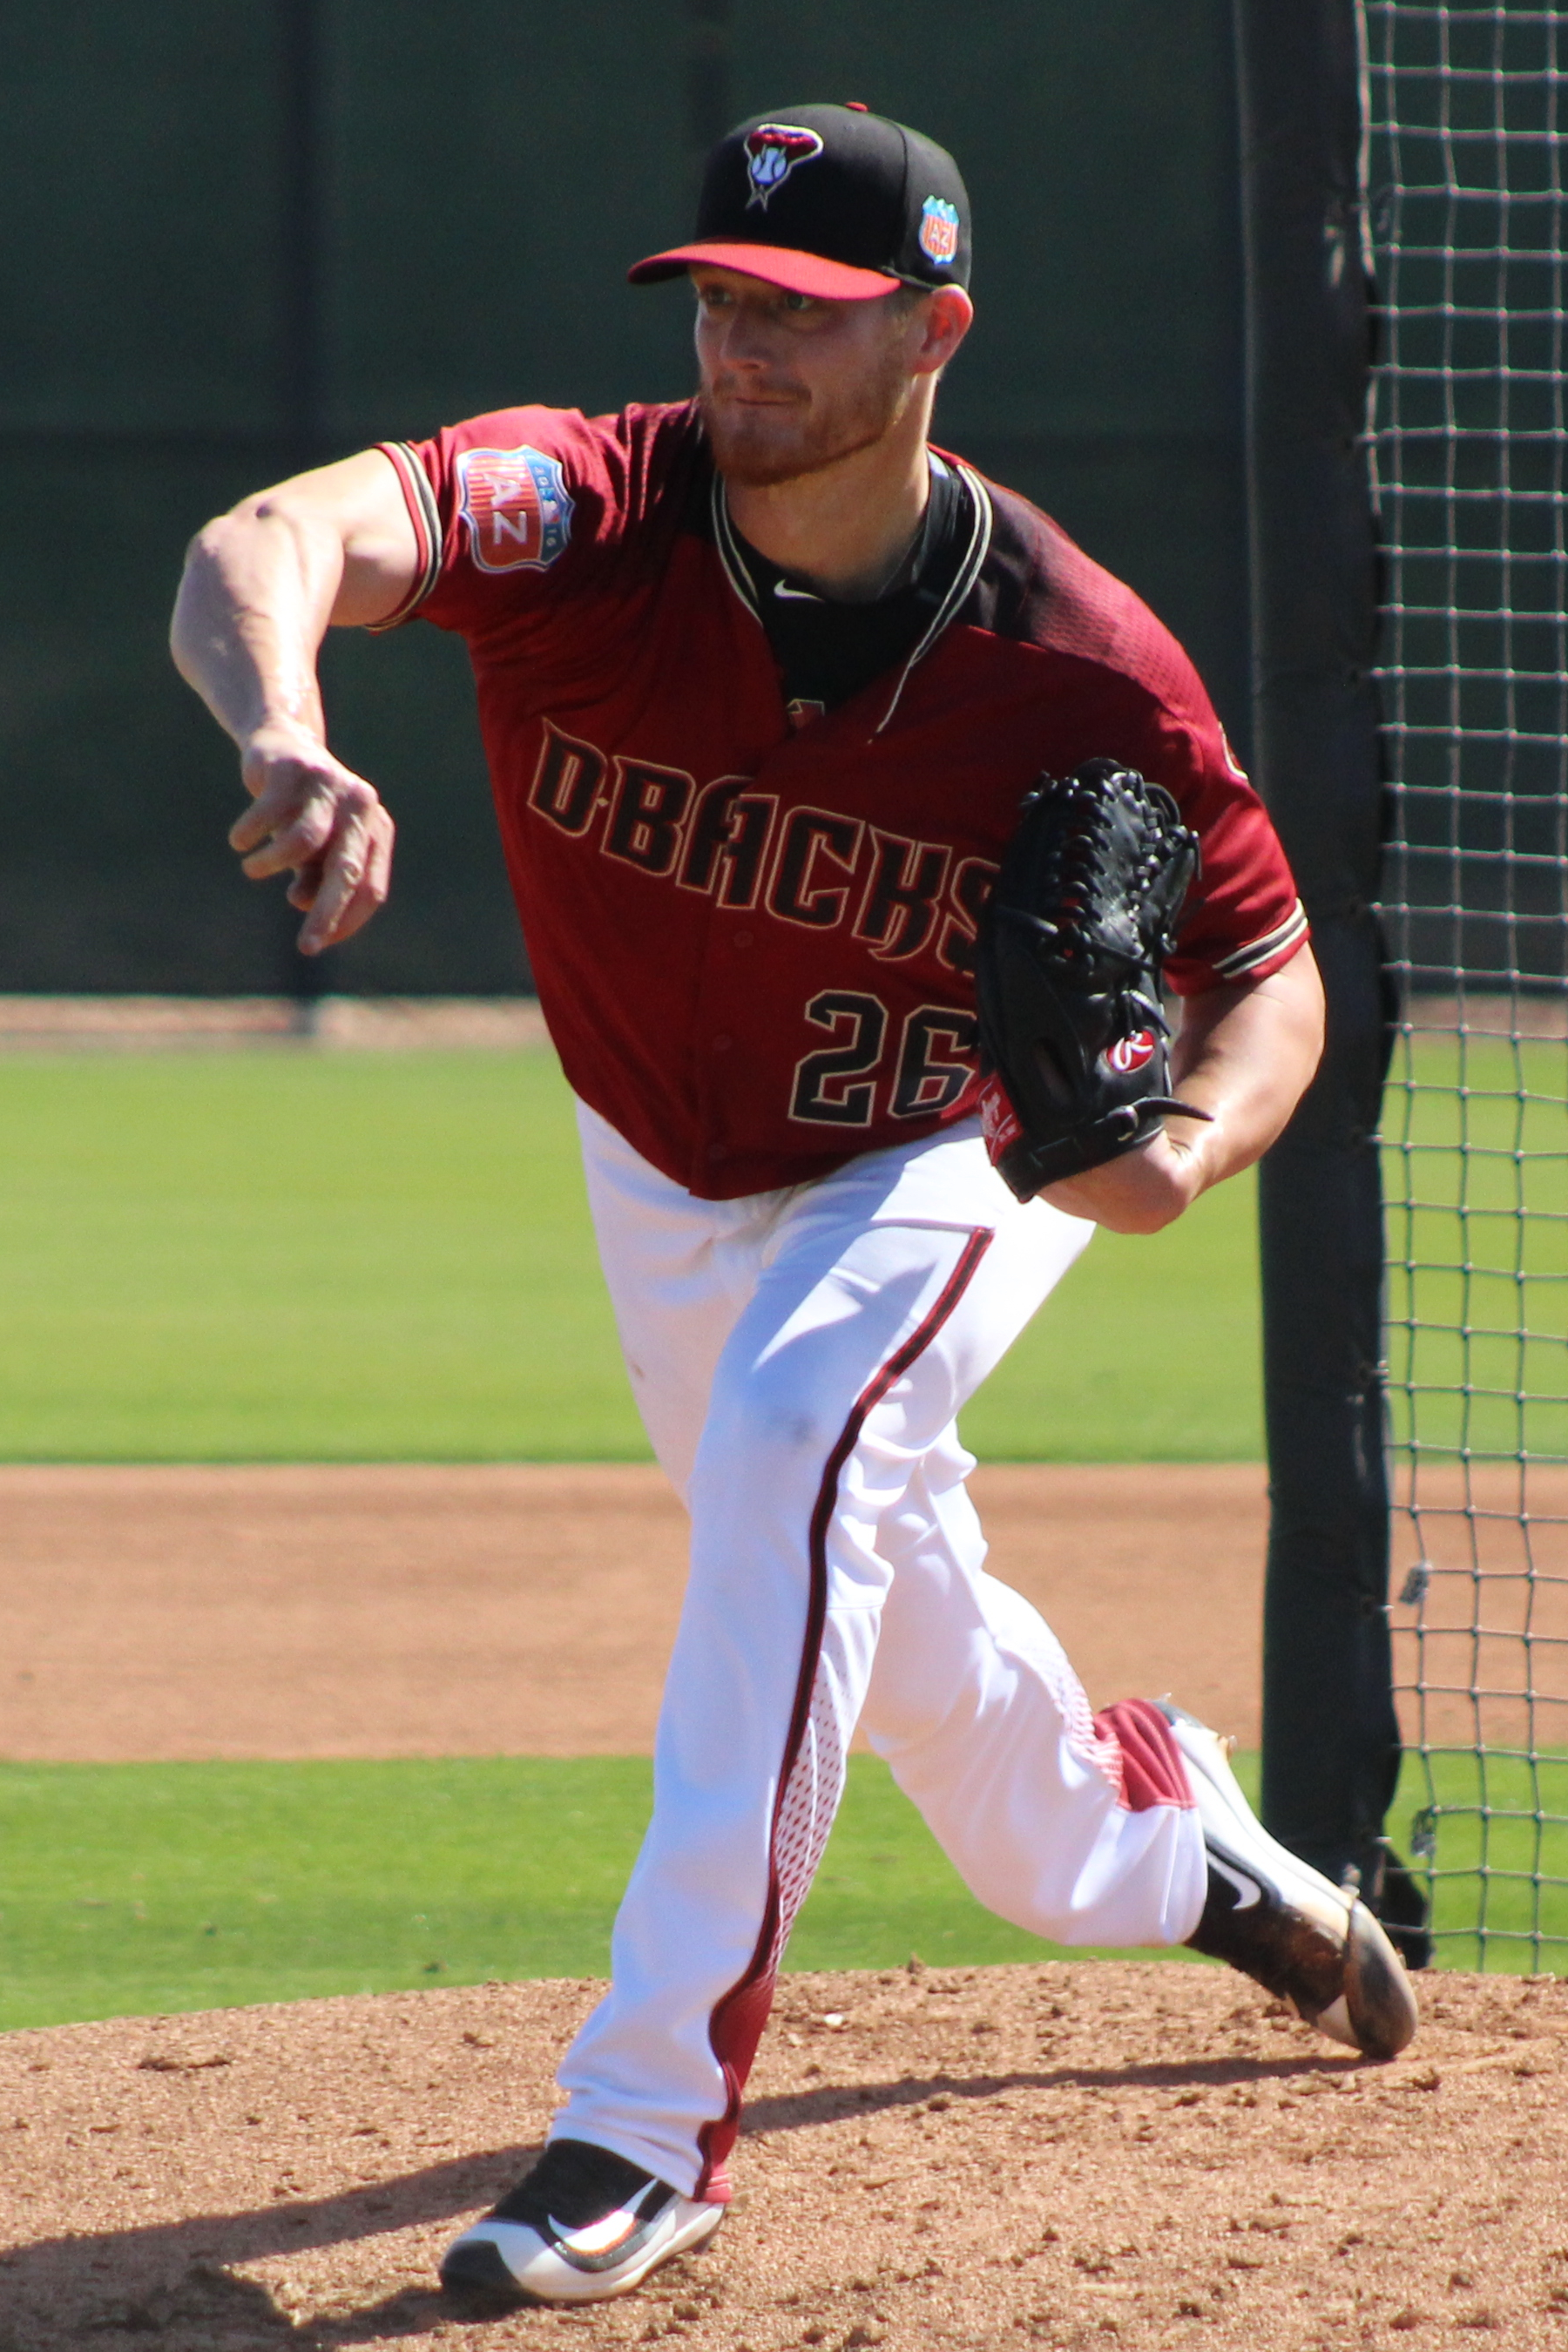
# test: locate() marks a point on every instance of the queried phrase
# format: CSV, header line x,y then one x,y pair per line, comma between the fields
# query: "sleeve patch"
x,y
516,505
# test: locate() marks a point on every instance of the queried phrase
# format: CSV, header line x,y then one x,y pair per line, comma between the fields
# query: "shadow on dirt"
x,y
172,2287
414,2311
833,2101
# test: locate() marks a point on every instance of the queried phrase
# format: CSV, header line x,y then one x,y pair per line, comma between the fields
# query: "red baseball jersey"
x,y
754,940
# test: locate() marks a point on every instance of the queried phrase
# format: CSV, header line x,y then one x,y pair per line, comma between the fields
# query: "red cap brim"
x,y
775,264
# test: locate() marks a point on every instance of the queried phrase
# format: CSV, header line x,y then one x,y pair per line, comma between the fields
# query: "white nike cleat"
x,y
584,2225
1282,1922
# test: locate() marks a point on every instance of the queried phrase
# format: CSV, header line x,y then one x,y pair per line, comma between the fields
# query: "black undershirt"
x,y
827,650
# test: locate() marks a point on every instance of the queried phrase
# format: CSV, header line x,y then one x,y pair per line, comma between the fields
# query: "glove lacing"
x,y
1081,870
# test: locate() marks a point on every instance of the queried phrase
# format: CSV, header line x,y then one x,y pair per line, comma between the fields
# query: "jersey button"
x,y
717,1151
742,940
721,1044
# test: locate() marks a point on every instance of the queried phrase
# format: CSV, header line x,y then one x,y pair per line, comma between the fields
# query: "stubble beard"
x,y
759,446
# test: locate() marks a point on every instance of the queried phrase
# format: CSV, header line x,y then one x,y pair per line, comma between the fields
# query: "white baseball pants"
x,y
799,1358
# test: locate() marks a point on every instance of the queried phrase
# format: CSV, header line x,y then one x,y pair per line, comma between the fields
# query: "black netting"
x,y
1464,171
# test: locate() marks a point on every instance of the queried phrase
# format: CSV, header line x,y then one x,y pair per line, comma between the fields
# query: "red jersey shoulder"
x,y
1116,683
513,508
1041,588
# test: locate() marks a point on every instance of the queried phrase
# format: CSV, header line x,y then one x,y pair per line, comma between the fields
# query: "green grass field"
x,y
283,1256
141,1888
1475,1175
294,1258
298,1256
138,1889
1493,1830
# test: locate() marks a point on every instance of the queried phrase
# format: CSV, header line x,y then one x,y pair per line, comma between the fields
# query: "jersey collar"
x,y
977,547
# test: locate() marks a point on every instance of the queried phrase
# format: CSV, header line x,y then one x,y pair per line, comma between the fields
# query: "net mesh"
x,y
1464,171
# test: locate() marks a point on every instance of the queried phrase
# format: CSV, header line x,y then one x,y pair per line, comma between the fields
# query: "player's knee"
x,y
764,1431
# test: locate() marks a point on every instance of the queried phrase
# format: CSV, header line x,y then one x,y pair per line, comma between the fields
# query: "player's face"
x,y
791,385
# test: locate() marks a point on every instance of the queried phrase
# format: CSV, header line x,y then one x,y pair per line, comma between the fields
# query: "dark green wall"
x,y
485,170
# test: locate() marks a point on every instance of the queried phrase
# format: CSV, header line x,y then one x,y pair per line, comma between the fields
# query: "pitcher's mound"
x,y
1075,2156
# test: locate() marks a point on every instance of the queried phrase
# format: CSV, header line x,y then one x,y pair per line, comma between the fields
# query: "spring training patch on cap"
x,y
516,506
772,150
938,231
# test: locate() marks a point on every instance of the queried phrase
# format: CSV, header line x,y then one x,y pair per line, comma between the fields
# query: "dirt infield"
x,y
1089,2157
430,1611
1074,2157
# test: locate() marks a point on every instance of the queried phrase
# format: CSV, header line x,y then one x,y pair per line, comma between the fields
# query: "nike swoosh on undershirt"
x,y
801,595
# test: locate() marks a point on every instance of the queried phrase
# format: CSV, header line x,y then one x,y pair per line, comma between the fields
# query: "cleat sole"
x,y
1380,2000
477,2271
476,2268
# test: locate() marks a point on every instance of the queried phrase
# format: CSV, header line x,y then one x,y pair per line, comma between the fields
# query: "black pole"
x,y
301,359
1331,1737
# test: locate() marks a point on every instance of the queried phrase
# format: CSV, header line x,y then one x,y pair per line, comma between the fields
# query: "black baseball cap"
x,y
827,200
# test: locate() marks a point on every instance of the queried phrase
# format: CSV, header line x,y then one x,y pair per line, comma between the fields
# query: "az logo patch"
x,y
517,507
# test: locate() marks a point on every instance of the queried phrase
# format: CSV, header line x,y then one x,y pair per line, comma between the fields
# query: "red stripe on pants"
x,y
738,2019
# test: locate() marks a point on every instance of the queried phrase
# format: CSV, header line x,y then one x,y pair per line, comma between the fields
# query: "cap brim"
x,y
775,264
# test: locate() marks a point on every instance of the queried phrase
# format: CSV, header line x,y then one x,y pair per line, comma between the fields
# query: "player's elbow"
x,y
206,561
230,540
183,626
1299,1009
1306,982
216,543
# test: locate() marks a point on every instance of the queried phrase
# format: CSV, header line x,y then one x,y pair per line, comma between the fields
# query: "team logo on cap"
x,y
938,231
516,506
1130,1053
772,150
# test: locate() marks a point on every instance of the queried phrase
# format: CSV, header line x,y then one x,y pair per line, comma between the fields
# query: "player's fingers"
x,y
355,875
354,917
379,877
375,889
290,789
253,824
307,821
292,807
294,847
281,783
301,892
341,871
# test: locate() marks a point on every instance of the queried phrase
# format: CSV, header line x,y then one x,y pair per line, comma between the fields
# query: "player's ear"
x,y
948,316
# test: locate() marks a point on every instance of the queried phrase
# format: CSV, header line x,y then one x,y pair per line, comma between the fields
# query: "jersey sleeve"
x,y
1126,690
514,511
1243,916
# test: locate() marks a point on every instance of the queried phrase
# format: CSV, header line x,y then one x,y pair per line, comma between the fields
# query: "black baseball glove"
x,y
1072,1037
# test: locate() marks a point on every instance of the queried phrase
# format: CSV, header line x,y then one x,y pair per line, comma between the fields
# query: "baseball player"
x,y
763,678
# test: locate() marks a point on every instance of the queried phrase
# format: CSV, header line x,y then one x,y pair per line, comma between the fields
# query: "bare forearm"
x,y
261,587
1247,1056
1244,1054
263,584
258,593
